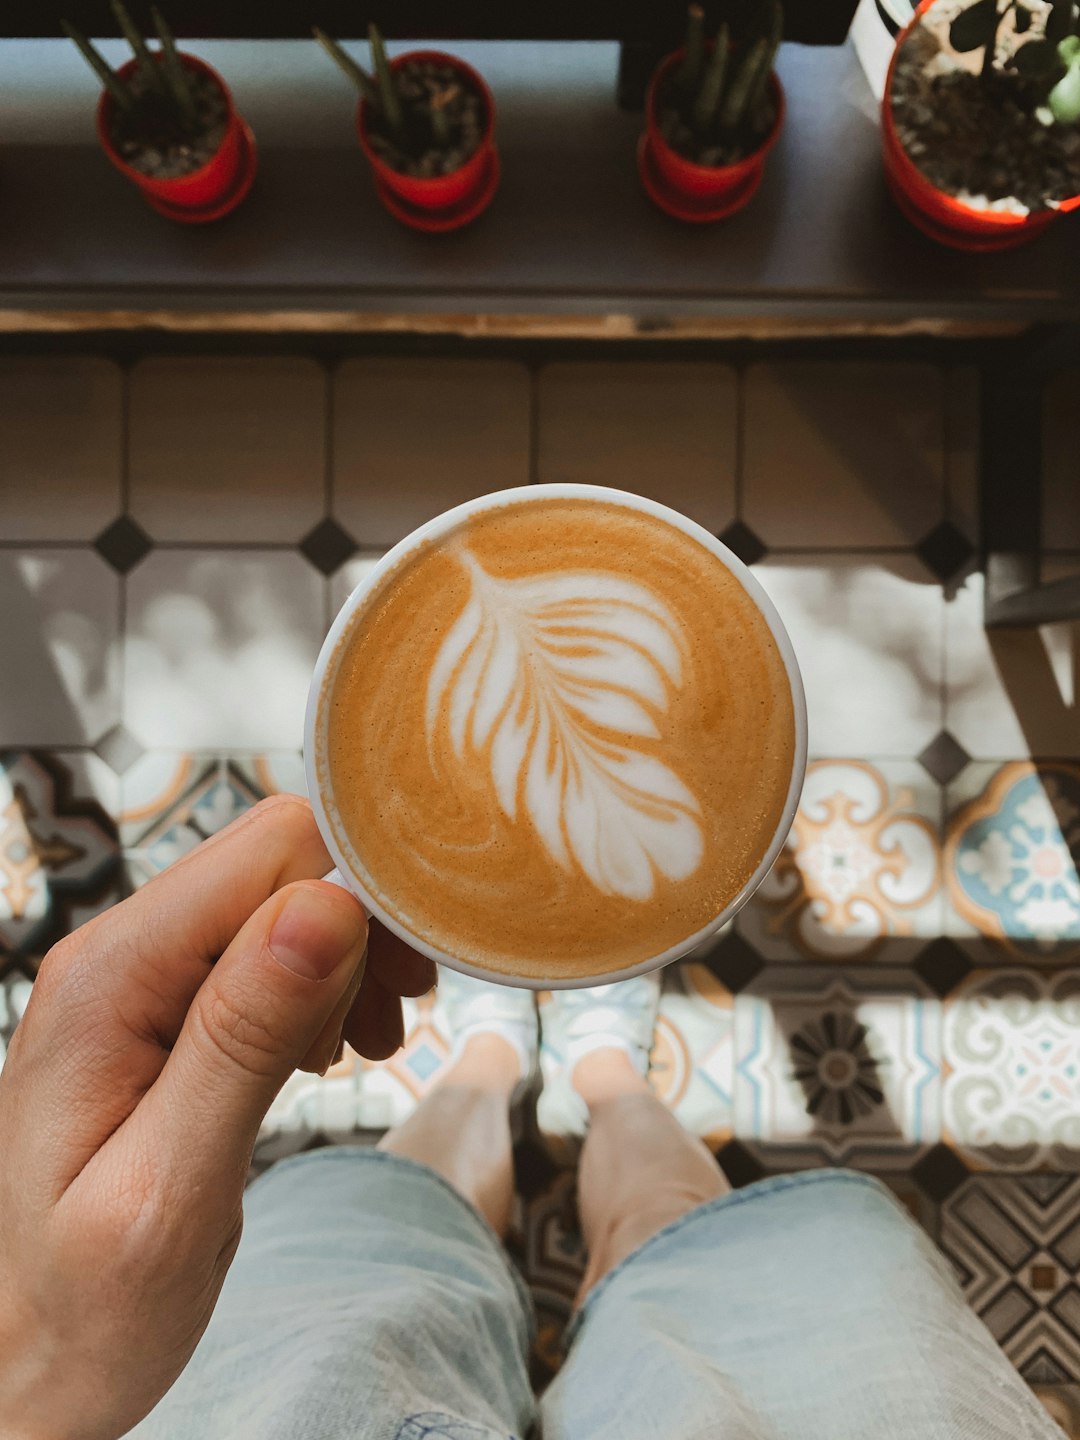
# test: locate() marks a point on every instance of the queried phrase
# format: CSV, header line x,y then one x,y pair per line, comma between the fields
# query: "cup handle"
x,y
335,877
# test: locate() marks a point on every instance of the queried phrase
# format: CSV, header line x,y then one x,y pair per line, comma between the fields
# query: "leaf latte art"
x,y
554,682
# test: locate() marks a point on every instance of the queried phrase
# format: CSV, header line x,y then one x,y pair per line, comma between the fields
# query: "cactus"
x,y
717,104
424,120
1050,61
164,102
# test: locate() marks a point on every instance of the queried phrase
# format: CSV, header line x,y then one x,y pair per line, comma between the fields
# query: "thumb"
x,y
253,1020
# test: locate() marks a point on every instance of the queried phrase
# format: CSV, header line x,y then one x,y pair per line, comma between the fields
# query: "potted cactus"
x,y
981,120
713,111
426,123
166,120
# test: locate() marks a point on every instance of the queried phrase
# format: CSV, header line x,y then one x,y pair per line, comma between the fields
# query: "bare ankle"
x,y
487,1062
607,1074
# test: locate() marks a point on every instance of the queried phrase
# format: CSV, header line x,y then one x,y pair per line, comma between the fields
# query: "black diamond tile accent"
x,y
939,1172
534,1169
734,963
328,546
944,757
123,544
946,551
120,749
738,1164
943,965
747,546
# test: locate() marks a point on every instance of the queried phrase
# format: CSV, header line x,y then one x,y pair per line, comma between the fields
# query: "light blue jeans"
x,y
369,1301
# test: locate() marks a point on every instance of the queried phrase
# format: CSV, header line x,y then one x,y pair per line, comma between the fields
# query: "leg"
x,y
640,1169
462,1129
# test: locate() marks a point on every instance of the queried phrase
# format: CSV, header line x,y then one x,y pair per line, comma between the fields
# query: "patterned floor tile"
x,y
859,878
1011,858
868,633
692,1065
837,1067
219,648
1011,1075
59,849
1015,1245
171,802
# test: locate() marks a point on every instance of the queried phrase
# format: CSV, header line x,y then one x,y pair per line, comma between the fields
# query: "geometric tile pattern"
x,y
59,851
902,995
1015,1244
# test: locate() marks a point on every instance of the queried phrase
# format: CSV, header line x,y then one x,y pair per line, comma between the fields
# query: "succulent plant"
x,y
1050,60
424,120
719,92
157,96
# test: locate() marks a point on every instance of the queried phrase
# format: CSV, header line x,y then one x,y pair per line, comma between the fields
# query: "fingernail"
x,y
313,934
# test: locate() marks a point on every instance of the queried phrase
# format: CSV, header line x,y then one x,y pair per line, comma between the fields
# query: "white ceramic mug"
x,y
315,723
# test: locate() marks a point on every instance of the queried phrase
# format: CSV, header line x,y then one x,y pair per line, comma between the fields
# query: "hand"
x,y
155,1039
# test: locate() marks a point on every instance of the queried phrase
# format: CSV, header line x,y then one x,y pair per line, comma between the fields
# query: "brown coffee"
x,y
559,739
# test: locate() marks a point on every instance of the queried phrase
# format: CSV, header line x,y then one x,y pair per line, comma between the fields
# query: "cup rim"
x,y
434,529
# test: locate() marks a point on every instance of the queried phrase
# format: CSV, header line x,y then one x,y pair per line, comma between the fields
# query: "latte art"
x,y
554,684
557,738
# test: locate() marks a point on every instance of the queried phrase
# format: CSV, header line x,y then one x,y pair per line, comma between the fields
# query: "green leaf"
x,y
1059,21
1036,59
1064,98
1069,49
1022,17
975,27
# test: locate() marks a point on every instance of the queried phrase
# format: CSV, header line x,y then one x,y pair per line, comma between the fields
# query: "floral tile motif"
x,y
59,851
1014,1242
1011,1086
693,1061
860,875
837,1067
172,802
1011,859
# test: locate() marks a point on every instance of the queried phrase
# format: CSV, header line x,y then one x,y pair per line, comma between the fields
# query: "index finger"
x,y
110,1000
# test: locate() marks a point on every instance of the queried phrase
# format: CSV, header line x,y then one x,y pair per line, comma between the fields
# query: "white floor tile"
x,y
228,449
61,613
867,631
666,430
61,447
1011,692
843,453
220,648
413,438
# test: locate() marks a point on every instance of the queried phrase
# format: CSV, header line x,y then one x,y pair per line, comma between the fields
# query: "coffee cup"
x,y
556,737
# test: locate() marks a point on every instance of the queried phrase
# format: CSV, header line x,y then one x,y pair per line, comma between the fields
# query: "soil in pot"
x,y
442,121
979,138
151,141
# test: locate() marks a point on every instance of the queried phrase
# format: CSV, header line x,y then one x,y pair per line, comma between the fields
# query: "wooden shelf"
x,y
571,245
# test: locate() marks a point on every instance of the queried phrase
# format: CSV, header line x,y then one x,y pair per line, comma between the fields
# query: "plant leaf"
x,y
556,684
974,27
1064,98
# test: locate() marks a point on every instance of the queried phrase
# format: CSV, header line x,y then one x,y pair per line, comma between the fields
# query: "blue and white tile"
x,y
837,1066
860,876
1011,861
692,1066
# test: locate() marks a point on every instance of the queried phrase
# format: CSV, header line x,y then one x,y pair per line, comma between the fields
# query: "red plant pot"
x,y
698,192
942,217
441,202
207,193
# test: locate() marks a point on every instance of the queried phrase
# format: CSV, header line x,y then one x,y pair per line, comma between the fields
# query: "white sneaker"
x,y
575,1022
473,1007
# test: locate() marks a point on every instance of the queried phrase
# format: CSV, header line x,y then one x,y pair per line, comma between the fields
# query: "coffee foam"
x,y
559,740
